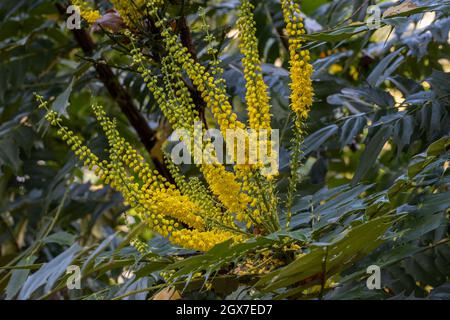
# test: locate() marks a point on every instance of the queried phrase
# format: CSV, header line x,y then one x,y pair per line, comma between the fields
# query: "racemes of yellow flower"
x,y
91,16
186,211
235,195
152,197
178,107
258,105
300,66
170,202
214,95
154,192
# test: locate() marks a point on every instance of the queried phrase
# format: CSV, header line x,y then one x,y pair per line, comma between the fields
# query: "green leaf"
x,y
317,139
406,9
308,7
339,34
49,273
403,132
385,68
439,147
352,127
62,101
418,163
342,199
61,238
9,155
100,248
19,277
325,260
370,155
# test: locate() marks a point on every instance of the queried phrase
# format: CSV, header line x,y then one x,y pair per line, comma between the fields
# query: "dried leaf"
x,y
401,8
111,20
167,294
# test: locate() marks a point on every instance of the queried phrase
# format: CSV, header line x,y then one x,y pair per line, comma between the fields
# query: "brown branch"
x,y
284,40
105,74
185,36
186,39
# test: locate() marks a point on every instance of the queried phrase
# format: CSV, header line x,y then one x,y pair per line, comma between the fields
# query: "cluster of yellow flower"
x,y
187,212
256,97
86,11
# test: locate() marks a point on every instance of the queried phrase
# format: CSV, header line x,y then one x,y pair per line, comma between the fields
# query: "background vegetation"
x,y
375,178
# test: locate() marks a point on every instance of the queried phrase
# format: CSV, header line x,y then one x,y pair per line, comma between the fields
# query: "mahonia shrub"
x,y
232,204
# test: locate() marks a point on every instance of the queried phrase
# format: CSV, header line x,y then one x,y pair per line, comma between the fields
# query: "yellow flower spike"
x,y
257,93
257,97
301,69
124,151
